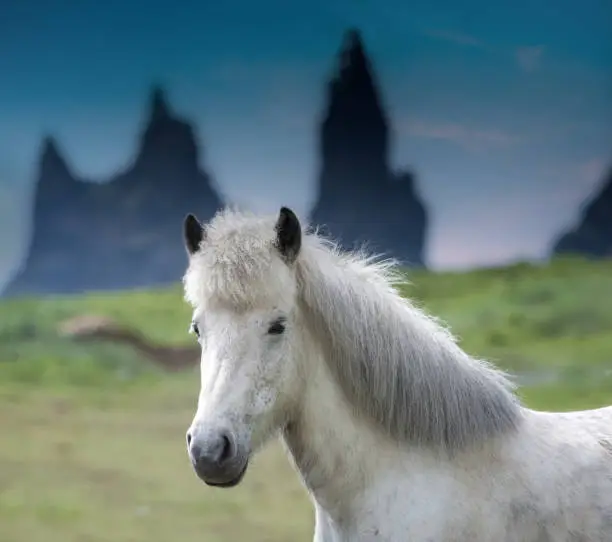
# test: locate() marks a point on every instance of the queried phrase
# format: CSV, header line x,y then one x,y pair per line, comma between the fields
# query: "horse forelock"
x,y
236,262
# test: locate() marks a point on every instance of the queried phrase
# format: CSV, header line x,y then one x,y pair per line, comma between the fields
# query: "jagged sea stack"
x,y
360,199
592,237
120,234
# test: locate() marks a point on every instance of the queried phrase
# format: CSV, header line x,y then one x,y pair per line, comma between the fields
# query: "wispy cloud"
x,y
470,138
529,57
456,37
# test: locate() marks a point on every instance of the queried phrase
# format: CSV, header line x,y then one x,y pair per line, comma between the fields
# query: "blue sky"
x,y
503,109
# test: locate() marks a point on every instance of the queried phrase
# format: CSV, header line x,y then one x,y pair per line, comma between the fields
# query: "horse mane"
x,y
396,365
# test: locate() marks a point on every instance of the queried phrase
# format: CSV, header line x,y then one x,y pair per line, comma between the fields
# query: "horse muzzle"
x,y
217,458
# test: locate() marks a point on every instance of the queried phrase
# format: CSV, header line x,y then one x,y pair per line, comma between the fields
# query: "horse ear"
x,y
288,234
193,234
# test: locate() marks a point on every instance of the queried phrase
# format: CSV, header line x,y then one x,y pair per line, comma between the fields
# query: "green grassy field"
x,y
92,438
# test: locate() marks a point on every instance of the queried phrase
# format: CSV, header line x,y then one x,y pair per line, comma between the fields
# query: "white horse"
x,y
396,432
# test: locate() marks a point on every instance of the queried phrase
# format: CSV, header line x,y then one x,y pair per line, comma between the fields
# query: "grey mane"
x,y
396,365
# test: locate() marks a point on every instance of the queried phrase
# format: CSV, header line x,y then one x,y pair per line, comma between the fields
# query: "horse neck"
x,y
330,448
336,452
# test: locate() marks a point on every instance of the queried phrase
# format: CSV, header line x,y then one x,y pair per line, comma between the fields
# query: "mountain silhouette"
x,y
360,199
123,233
592,236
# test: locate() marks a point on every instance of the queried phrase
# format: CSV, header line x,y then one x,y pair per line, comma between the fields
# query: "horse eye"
x,y
277,327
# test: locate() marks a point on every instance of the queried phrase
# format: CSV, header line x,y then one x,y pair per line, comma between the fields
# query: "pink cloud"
x,y
590,171
459,253
529,58
502,229
575,184
577,179
472,139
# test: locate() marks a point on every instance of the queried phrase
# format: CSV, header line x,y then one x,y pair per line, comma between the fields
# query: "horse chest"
x,y
390,512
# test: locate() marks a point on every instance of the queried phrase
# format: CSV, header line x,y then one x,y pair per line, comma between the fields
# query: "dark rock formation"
x,y
360,199
120,234
593,235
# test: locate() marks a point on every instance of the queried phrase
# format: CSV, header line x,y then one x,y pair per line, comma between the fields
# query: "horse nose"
x,y
211,453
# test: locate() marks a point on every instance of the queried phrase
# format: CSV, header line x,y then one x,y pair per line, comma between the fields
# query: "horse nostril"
x,y
227,449
188,439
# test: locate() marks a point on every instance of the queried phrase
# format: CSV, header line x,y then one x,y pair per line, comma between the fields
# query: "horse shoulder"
x,y
561,465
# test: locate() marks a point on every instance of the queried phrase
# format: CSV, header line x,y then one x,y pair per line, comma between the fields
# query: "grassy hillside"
x,y
92,445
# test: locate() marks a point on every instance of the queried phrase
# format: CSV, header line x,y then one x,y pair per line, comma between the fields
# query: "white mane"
x,y
397,366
